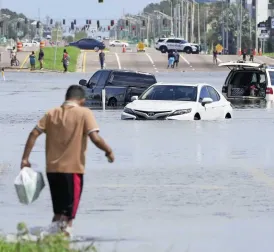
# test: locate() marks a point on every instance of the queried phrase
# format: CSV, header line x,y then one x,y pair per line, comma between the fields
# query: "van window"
x,y
103,78
132,79
271,76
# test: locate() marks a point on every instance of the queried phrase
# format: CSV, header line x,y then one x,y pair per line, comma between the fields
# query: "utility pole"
x,y
183,19
171,14
187,9
199,26
205,29
179,19
192,22
227,19
223,24
241,21
256,25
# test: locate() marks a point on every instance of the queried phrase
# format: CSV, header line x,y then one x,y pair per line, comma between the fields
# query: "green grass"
x,y
49,52
269,55
51,243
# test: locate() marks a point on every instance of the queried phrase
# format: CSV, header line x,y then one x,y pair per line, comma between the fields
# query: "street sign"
x,y
219,48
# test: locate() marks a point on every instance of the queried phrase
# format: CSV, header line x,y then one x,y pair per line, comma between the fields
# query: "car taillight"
x,y
269,91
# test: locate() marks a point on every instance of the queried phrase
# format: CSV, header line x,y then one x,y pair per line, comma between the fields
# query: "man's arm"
x,y
100,143
34,134
91,129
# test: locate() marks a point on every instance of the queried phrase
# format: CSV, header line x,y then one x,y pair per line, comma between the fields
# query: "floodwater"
x,y
175,186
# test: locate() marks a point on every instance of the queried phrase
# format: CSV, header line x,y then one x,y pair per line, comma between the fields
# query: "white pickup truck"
x,y
31,44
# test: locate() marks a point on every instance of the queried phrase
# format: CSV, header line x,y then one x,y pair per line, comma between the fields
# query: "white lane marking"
x,y
259,175
118,60
185,59
152,62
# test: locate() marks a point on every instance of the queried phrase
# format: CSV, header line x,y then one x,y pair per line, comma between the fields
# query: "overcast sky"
x,y
79,9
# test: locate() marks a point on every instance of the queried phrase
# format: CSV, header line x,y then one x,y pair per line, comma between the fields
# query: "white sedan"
x,y
118,43
163,101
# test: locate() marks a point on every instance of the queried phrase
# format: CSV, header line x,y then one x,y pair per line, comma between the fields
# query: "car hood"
x,y
160,105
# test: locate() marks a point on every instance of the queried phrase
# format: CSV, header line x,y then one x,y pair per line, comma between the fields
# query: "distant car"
x,y
248,81
88,44
166,44
118,43
178,102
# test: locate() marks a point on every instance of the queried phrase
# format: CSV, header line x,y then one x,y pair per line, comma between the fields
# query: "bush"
x,y
49,243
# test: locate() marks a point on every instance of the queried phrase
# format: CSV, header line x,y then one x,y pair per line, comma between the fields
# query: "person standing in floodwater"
x,y
65,60
32,60
102,58
41,58
67,129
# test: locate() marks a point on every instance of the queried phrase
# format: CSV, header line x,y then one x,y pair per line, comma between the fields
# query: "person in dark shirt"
x,y
215,60
171,59
41,58
102,59
177,58
32,61
65,60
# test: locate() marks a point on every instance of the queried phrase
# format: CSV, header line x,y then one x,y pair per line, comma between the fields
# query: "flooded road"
x,y
175,186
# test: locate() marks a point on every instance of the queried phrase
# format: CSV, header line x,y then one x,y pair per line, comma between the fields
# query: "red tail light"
x,y
269,91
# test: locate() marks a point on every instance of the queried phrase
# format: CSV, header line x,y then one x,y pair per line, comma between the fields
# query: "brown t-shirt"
x,y
67,128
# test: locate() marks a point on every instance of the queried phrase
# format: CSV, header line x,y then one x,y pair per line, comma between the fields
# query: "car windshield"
x,y
170,93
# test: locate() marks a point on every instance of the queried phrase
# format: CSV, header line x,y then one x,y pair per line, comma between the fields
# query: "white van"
x,y
248,80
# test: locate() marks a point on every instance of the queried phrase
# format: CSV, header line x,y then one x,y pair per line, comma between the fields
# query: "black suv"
x,y
119,85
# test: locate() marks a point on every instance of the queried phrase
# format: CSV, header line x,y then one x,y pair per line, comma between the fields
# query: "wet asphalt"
x,y
175,186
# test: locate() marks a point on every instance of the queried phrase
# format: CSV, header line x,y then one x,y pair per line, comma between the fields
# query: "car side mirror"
x,y
206,100
134,98
83,82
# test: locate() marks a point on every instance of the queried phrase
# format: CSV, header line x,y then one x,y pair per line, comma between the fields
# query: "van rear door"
x,y
270,84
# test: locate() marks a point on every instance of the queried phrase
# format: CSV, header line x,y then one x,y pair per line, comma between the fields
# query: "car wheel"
x,y
112,102
112,45
188,50
163,49
228,116
197,117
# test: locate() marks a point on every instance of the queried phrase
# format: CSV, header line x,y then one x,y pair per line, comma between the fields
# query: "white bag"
x,y
28,185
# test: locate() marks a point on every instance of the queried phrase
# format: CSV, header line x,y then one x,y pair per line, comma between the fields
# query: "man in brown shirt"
x,y
67,129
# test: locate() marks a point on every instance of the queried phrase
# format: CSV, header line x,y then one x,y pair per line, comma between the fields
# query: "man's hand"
x,y
110,156
25,163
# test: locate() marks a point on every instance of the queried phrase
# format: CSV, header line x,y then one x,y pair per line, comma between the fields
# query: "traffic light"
x,y
112,22
133,28
26,20
38,25
164,22
126,22
72,26
1,24
74,22
109,28
122,28
100,1
89,22
144,23
51,21
64,21
18,25
98,24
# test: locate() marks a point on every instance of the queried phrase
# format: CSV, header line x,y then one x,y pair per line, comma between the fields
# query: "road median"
x,y
51,64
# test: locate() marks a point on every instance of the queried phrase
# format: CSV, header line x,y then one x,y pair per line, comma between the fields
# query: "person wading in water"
x,y
67,129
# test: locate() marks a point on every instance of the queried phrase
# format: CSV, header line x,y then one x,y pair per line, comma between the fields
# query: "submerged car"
x,y
248,81
169,101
